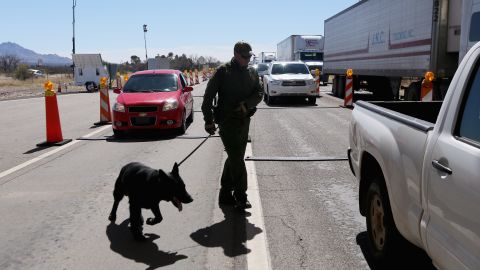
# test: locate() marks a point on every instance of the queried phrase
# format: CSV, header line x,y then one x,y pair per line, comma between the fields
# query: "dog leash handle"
x,y
196,148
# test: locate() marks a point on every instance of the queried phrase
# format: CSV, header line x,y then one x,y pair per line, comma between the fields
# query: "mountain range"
x,y
32,58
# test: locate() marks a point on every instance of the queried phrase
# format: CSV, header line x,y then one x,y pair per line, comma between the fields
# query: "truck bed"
x,y
419,115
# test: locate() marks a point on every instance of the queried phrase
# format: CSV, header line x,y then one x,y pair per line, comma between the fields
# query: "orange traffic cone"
x,y
54,129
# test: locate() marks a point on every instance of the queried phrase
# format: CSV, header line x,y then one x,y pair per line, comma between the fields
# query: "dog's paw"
x,y
153,221
112,218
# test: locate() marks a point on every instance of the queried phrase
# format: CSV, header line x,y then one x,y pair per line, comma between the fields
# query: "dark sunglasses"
x,y
245,56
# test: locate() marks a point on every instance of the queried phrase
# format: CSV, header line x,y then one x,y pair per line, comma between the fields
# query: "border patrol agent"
x,y
239,92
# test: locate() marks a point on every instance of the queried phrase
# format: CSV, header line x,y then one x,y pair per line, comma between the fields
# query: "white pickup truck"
x,y
418,164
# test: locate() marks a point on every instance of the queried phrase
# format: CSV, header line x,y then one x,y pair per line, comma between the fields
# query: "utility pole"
x,y
73,23
145,38
74,4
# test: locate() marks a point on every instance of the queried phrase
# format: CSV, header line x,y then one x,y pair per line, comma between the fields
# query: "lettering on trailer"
x,y
407,34
378,38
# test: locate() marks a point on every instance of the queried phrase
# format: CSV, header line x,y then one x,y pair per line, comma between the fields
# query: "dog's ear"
x,y
175,169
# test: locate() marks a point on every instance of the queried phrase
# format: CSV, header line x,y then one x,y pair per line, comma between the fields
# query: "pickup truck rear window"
x,y
469,127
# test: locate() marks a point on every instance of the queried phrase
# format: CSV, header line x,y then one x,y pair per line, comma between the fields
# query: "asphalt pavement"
x,y
54,202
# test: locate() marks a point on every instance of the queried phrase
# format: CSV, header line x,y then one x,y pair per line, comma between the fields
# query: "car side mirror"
x,y
117,90
188,89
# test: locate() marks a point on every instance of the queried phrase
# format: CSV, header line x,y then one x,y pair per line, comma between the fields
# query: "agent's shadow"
x,y
121,241
231,234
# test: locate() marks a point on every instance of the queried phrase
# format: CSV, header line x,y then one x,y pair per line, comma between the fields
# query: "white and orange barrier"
x,y
190,77
105,114
426,93
317,80
348,101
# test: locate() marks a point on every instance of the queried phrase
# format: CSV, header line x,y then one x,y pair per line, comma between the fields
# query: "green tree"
x,y
22,72
135,60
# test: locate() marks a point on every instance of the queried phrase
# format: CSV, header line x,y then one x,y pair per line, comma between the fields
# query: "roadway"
x,y
54,202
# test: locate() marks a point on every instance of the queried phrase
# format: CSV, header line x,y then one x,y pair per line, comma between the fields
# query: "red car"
x,y
153,99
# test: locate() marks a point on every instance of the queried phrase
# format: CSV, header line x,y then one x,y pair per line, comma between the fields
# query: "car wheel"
x,y
269,100
183,128
190,117
90,86
384,239
312,100
118,133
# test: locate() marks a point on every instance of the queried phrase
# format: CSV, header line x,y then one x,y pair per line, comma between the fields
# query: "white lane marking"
x,y
259,257
47,154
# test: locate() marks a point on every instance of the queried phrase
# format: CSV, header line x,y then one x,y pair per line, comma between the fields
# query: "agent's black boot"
x,y
241,202
226,197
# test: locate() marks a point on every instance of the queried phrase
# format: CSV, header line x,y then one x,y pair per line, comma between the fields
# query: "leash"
x,y
196,148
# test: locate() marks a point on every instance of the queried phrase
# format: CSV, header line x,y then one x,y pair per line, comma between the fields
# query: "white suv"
x,y
289,79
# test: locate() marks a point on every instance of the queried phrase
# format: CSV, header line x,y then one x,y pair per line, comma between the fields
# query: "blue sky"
x,y
114,28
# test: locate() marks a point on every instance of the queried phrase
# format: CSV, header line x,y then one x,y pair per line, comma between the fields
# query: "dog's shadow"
x,y
231,234
147,252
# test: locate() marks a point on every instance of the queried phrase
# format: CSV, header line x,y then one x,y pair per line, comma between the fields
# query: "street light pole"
x,y
145,38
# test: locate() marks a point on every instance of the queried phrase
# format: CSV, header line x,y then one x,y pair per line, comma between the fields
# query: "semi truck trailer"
x,y
391,45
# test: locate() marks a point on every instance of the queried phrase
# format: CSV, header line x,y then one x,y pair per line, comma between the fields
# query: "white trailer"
x,y
305,48
386,42
88,69
267,57
158,63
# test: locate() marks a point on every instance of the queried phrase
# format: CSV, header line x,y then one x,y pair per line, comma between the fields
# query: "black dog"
x,y
145,188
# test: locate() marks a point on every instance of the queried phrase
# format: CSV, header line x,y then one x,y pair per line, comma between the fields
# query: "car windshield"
x,y
289,69
262,67
151,83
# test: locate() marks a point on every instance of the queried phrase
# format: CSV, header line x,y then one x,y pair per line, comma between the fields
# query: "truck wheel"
x,y
413,92
384,239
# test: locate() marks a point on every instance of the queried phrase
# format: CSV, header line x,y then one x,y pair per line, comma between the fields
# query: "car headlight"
x,y
310,82
170,104
119,107
276,82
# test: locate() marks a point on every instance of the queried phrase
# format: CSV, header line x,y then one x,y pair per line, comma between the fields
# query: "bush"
x,y
22,72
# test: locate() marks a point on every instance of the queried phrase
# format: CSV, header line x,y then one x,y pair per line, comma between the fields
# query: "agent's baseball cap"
x,y
243,48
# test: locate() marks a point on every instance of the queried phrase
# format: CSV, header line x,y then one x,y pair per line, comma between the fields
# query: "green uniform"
x,y
234,85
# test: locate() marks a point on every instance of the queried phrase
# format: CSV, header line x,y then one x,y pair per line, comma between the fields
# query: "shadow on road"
x,y
231,234
291,102
147,252
413,258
